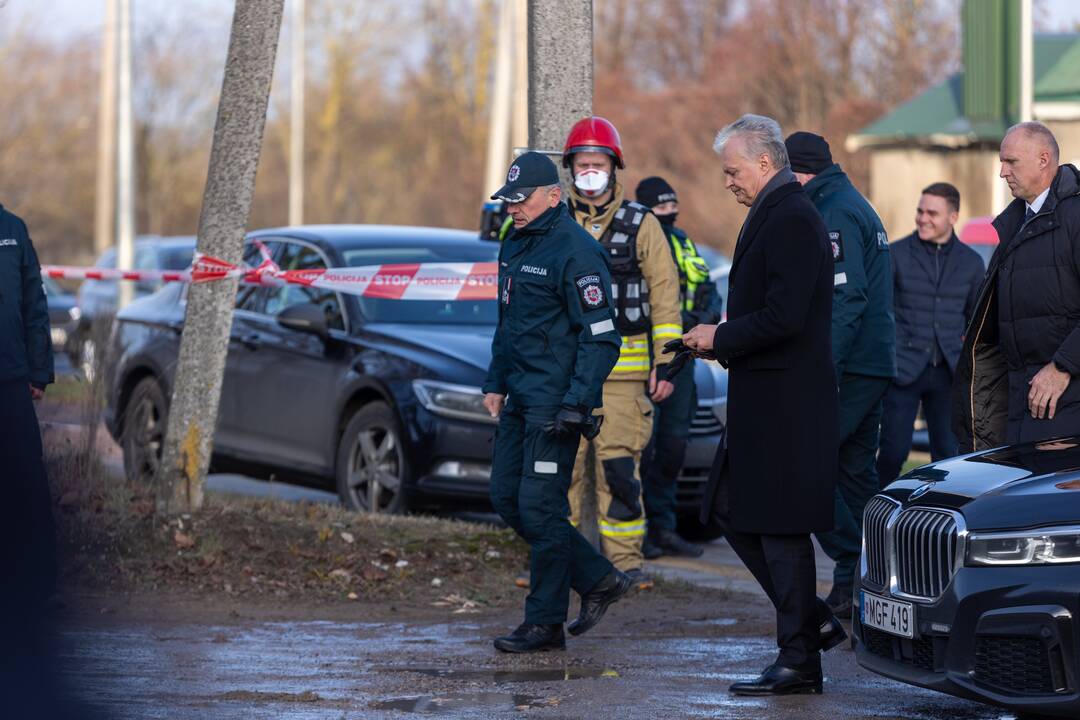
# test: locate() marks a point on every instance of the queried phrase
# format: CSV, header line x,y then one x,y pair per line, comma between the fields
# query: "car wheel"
x,y
372,474
143,436
691,528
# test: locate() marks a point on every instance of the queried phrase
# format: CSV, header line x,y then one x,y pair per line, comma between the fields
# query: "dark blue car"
x,y
377,398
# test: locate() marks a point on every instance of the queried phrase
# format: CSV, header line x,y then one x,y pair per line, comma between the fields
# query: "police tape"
x,y
391,281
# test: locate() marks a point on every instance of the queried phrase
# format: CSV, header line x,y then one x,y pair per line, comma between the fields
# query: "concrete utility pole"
x,y
498,148
125,160
560,69
560,94
230,183
296,114
105,191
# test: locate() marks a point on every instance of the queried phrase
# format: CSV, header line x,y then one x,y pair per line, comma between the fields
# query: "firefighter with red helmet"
x,y
645,292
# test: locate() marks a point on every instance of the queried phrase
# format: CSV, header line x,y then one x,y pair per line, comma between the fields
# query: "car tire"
x,y
142,438
690,528
372,471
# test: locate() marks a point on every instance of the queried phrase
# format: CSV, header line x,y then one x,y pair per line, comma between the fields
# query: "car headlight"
x,y
456,401
1049,546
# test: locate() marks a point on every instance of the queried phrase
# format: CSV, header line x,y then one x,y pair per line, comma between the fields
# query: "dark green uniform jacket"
x,y
863,330
25,345
556,341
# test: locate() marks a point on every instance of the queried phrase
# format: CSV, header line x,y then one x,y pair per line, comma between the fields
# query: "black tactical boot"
x,y
671,544
839,601
532,638
649,549
596,602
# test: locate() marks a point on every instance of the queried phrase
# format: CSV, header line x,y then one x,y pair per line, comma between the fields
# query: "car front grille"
x,y
919,653
924,542
917,546
1015,664
705,421
875,521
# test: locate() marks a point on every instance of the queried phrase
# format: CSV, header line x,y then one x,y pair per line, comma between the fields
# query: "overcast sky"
x,y
64,17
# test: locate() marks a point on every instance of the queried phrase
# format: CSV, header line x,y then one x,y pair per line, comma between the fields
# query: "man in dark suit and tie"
x,y
774,484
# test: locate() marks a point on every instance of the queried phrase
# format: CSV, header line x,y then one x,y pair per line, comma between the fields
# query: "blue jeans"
x,y
933,389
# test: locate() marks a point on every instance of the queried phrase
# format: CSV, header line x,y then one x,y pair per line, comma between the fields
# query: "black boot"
x,y
839,601
649,549
532,638
831,634
780,680
671,544
596,602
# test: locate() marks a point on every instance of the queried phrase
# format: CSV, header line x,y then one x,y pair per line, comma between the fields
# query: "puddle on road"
x,y
722,622
510,676
433,704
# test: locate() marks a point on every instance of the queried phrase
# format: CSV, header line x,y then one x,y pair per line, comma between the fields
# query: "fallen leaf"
x,y
353,596
373,572
348,537
388,556
341,573
436,582
492,555
325,534
401,564
182,540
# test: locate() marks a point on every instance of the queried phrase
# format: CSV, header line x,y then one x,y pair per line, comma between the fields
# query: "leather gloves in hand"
x,y
574,420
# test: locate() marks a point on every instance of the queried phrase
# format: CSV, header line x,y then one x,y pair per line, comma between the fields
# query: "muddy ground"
x,y
669,653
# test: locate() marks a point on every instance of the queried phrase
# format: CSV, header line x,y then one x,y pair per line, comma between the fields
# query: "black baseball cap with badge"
x,y
528,172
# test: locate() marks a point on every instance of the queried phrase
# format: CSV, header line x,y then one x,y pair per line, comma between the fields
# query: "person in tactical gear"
x,y
554,345
645,297
701,305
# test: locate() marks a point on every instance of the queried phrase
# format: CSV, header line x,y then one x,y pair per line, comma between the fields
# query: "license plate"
x,y
895,618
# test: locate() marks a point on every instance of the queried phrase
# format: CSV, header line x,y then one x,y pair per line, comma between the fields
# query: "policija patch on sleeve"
x,y
837,246
591,292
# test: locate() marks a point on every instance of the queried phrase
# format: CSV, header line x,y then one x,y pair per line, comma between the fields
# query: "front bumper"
x,y
1005,636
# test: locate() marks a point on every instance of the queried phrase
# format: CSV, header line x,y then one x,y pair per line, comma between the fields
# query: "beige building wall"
x,y
898,175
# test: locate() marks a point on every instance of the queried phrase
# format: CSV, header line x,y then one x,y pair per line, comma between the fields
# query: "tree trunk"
x,y
230,183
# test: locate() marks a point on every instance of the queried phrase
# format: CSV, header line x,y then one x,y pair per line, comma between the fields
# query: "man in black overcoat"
x,y
774,485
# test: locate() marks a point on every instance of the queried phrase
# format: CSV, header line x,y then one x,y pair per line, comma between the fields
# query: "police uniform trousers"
x,y
530,477
663,458
860,404
27,531
627,427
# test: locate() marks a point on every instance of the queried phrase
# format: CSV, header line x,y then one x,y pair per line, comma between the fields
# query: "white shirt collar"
x,y
1036,205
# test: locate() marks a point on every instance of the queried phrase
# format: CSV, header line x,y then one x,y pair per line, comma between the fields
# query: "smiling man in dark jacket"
x,y
863,337
26,367
1022,348
935,278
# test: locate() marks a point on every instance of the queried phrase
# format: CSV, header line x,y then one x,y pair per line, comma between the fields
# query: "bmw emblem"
x,y
920,491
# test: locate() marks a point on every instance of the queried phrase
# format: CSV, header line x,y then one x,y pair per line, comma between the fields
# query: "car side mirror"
x,y
305,317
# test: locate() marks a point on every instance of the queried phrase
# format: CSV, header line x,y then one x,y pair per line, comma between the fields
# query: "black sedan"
x,y
970,578
378,398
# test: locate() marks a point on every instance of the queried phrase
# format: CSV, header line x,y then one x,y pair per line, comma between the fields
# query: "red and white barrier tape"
x,y
412,281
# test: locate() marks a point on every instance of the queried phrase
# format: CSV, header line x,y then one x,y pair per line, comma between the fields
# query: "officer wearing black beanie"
x,y
863,344
663,458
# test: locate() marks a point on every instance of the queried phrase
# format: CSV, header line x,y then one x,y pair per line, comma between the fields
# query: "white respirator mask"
x,y
591,183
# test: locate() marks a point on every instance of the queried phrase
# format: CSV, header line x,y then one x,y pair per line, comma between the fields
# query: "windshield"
x,y
466,312
176,258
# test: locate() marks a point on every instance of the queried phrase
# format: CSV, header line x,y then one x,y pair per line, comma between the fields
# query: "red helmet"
x,y
593,134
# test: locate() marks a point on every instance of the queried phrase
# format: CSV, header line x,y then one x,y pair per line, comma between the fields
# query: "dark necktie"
x,y
1028,214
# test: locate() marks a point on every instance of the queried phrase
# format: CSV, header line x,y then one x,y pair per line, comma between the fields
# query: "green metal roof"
x,y
936,117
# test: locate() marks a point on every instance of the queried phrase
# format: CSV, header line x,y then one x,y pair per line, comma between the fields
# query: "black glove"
x,y
571,419
683,355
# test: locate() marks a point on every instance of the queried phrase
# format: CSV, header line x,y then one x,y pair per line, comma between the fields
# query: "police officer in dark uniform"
x,y
26,367
554,346
701,305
